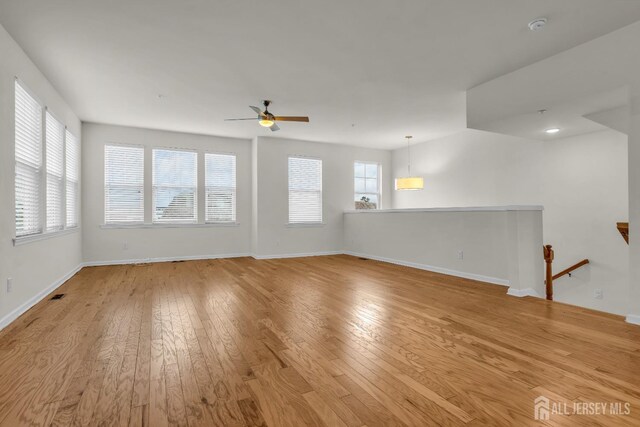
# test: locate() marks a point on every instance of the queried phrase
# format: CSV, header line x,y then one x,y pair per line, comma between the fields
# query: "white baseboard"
x,y
441,270
299,255
527,292
13,315
161,259
634,319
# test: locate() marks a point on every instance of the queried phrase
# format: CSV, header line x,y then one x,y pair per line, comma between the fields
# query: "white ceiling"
x,y
588,88
366,72
573,117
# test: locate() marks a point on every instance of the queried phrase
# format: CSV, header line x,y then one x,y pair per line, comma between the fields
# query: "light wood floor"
x,y
336,341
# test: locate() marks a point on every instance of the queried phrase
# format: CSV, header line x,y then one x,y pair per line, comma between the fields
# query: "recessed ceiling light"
x,y
537,24
552,130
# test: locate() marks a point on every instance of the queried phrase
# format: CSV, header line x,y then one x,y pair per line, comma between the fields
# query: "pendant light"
x,y
409,182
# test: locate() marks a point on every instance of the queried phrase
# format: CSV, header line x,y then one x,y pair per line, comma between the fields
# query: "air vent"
x,y
57,296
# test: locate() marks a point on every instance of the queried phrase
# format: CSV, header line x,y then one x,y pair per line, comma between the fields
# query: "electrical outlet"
x,y
598,294
9,285
460,254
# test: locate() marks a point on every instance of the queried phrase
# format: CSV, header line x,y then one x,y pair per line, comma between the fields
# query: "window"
x,y
28,156
220,187
54,155
72,175
366,185
47,169
123,184
305,190
175,186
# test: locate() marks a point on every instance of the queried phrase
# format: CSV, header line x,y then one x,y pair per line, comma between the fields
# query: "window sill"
x,y
18,241
170,225
305,224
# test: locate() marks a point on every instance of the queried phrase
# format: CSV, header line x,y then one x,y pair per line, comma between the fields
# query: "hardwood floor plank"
x,y
319,341
176,412
157,386
323,410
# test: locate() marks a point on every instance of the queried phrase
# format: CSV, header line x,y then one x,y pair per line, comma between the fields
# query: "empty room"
x,y
341,213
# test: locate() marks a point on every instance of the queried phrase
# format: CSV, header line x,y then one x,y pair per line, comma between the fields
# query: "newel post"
x,y
548,258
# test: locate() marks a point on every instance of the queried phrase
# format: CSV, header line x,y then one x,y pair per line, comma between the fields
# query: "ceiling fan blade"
x,y
291,119
274,127
230,120
257,110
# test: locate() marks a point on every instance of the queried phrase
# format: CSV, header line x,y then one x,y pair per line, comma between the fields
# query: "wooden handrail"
x,y
549,276
570,269
623,228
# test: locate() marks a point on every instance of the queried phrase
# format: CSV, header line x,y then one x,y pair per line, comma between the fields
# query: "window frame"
x,y
196,192
321,222
68,181
37,171
148,191
41,172
61,179
378,193
104,186
235,187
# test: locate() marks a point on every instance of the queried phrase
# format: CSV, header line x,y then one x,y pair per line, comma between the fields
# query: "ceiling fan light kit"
x,y
409,182
268,120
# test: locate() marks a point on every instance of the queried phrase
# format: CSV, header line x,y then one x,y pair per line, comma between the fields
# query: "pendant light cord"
x,y
408,155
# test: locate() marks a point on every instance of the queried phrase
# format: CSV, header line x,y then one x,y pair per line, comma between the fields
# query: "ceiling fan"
x,y
268,120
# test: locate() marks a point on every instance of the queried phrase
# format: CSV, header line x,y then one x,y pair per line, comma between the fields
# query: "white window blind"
x,y
366,185
305,190
54,159
28,156
124,184
220,187
72,178
175,186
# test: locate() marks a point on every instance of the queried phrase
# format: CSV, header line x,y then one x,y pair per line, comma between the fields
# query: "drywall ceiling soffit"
x,y
613,118
367,73
577,117
572,86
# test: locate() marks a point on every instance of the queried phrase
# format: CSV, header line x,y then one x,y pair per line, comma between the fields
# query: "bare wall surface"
x,y
433,239
581,182
103,244
274,236
35,266
498,245
634,217
471,168
585,194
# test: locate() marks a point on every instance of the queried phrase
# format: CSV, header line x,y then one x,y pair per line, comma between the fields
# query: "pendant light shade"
x,y
409,182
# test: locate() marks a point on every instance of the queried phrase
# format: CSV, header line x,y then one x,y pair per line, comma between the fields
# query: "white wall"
x,y
580,181
105,245
497,245
33,266
585,194
471,168
273,235
634,216
262,199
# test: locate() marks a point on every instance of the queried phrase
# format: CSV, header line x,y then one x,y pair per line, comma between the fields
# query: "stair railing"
x,y
549,276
